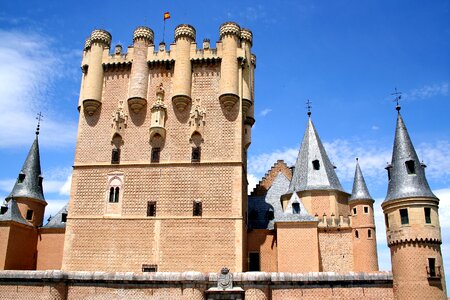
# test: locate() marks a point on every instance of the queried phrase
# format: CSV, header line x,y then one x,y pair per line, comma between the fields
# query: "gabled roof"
x,y
305,176
57,220
359,191
31,186
403,183
13,213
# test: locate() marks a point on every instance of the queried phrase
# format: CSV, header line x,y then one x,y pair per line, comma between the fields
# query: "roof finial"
x,y
357,159
398,96
39,118
308,106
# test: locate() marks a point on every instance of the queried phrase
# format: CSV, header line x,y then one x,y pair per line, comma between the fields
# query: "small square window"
x,y
3,209
151,208
404,216
196,153
30,214
197,210
21,178
366,209
155,155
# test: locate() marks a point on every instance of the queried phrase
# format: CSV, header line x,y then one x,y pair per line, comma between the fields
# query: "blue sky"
x,y
346,56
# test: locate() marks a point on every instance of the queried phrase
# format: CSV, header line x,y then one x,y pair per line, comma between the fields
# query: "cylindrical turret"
x,y
93,84
137,96
247,69
229,85
87,47
182,77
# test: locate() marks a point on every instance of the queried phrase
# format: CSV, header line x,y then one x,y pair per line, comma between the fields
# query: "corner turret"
x,y
412,224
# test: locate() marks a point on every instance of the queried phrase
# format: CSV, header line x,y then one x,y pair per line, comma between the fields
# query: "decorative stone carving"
x,y
144,33
185,30
119,121
101,36
246,35
229,28
159,112
197,118
225,279
118,50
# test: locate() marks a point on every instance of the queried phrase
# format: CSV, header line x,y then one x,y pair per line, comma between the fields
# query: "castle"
x,y
159,185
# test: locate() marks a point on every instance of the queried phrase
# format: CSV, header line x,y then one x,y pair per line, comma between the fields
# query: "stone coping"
x,y
276,278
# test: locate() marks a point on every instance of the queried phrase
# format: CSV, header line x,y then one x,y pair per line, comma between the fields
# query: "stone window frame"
x,y
404,218
115,183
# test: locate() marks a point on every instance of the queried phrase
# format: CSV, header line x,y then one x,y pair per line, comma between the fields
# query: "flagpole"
x,y
164,29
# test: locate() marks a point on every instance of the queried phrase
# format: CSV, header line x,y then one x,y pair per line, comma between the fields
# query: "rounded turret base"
x,y
228,100
181,102
136,103
90,106
246,104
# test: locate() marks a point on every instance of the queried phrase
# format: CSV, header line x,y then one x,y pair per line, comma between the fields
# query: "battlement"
x,y
334,222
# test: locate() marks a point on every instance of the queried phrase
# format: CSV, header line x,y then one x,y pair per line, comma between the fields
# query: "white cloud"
x,y
428,91
6,185
374,127
65,188
265,112
28,69
252,182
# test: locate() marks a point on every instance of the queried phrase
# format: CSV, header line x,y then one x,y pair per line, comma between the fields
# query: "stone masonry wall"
x,y
336,250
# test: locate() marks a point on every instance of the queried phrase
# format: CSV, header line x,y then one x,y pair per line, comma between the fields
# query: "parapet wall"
x,y
192,285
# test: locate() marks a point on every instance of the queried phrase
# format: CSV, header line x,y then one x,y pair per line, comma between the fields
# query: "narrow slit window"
x,y
316,164
410,167
388,169
356,234
40,181
369,233
404,216
151,208
386,220
427,211
296,208
21,178
30,214
115,156
254,262
116,194
197,210
64,218
196,153
155,155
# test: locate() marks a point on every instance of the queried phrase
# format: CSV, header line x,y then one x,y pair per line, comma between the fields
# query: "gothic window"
x,y
30,214
196,153
404,216
155,155
427,211
151,208
356,234
197,210
64,218
410,168
253,262
21,178
114,188
296,208
316,164
115,156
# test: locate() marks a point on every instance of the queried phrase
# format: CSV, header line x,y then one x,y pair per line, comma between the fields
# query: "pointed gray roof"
x,y
305,176
57,220
359,191
30,187
13,213
402,183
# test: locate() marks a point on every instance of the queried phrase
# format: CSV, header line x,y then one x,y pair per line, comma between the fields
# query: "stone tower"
x,y
159,178
412,224
365,257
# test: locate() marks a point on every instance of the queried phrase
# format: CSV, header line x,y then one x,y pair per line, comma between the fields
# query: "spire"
x,y
359,191
29,181
406,173
313,169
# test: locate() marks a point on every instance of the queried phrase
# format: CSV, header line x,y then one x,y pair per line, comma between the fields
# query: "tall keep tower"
x,y
159,178
412,224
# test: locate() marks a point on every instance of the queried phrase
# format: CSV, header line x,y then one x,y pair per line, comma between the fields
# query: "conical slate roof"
x,y
31,185
359,191
407,174
13,213
313,169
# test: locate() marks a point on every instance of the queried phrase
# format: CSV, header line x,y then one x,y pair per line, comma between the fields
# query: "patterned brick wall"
x,y
264,242
336,250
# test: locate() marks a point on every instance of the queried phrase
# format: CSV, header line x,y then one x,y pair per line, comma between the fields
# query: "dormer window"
x,y
296,208
64,217
29,214
316,164
3,210
410,167
388,169
21,178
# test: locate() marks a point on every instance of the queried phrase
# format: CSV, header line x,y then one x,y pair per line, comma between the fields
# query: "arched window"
x,y
115,184
111,194
116,194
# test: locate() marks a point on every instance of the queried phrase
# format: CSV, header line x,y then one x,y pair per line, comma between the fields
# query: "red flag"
x,y
166,15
